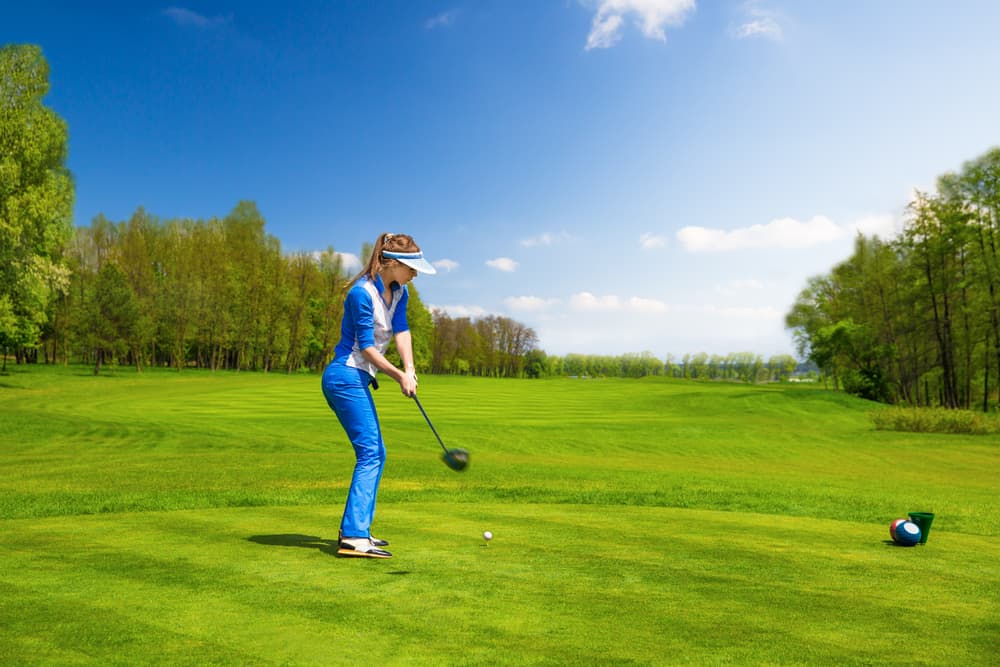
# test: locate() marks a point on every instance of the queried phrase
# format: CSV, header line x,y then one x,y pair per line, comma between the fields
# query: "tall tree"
x,y
36,197
421,329
919,314
136,244
110,316
935,236
978,185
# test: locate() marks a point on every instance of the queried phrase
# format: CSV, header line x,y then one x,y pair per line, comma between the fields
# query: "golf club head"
x,y
456,459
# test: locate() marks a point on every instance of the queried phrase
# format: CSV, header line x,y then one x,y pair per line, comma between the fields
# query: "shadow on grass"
x,y
890,543
309,542
296,540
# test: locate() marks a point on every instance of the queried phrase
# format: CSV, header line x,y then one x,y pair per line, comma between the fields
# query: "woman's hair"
x,y
392,243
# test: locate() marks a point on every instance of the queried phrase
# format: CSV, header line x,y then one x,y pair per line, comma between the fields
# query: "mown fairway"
x,y
192,518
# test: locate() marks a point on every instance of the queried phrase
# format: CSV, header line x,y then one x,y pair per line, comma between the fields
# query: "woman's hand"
x,y
408,383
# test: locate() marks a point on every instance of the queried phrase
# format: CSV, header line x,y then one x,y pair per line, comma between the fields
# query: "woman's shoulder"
x,y
361,289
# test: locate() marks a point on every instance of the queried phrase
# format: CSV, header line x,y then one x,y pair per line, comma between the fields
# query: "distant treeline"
x,y
743,367
216,294
220,294
916,320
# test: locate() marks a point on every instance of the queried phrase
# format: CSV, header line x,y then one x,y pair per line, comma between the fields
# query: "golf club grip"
x,y
428,419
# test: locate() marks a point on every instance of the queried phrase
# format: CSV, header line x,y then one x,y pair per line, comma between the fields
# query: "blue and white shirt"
x,y
370,321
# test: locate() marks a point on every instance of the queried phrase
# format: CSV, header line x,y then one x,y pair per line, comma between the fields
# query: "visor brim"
x,y
420,264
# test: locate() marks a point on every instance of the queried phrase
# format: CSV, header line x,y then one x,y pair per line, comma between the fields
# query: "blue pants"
x,y
346,391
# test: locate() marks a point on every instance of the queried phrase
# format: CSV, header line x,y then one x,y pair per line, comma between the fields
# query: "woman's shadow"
x,y
296,540
309,542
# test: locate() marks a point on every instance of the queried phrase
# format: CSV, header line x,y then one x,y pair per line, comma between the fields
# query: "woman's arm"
x,y
404,345
407,379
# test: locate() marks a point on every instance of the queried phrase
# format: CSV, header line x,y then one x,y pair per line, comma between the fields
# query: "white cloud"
x,y
457,311
734,287
185,17
767,28
446,265
348,261
442,20
650,15
505,264
544,239
650,241
590,323
882,226
585,301
758,23
765,313
605,32
782,233
529,303
639,305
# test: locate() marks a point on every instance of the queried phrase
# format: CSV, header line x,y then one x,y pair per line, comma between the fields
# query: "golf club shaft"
x,y
424,413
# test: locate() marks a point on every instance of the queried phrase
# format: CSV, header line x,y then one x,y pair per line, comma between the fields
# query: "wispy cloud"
x,y
461,311
757,22
529,303
446,265
442,20
588,301
585,301
651,16
882,226
736,287
348,261
505,264
191,19
783,233
545,239
650,241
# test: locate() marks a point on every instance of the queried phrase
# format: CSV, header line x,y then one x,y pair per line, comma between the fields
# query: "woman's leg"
x,y
346,390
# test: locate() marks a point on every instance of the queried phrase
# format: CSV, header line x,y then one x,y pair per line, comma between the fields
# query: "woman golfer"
x,y
374,312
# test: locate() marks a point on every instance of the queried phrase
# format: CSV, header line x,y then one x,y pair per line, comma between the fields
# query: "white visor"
x,y
414,260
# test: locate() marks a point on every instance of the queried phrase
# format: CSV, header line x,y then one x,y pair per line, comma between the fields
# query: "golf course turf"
x,y
191,518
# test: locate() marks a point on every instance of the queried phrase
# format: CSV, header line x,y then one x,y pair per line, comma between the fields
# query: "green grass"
x,y
191,518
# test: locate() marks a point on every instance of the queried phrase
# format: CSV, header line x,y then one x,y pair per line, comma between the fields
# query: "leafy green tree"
x,y
421,329
781,366
935,237
978,186
36,197
303,285
110,316
137,240
325,309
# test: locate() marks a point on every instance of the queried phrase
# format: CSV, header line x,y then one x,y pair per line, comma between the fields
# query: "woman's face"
x,y
401,273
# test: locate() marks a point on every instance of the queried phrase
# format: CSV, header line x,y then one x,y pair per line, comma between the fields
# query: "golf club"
x,y
456,459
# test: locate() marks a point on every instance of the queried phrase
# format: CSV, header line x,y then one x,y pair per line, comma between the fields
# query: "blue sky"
x,y
620,175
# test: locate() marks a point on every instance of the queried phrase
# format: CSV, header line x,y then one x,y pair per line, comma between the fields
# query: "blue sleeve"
x,y
399,323
358,308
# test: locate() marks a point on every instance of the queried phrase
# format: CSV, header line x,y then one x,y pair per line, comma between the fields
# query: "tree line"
x,y
739,366
915,320
216,294
219,294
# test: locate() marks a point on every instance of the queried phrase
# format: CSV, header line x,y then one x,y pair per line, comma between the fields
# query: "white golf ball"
x,y
487,536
